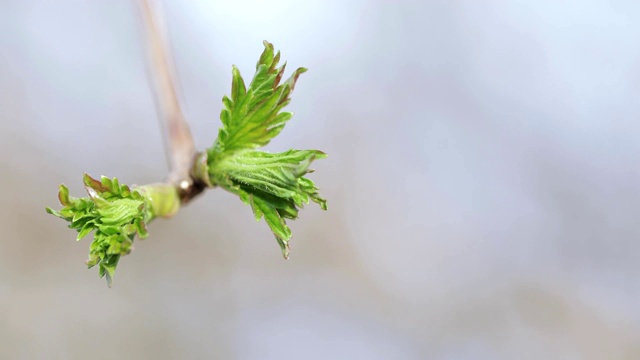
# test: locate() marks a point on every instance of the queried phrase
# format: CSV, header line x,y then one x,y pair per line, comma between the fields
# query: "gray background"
x,y
483,182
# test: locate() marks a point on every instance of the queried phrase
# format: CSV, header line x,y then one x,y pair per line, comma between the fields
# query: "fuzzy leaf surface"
x,y
114,212
273,184
252,116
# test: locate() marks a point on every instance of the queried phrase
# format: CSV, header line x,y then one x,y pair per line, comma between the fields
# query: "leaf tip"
x,y
63,195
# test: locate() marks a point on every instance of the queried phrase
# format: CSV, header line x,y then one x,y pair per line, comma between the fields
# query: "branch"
x,y
180,150
273,184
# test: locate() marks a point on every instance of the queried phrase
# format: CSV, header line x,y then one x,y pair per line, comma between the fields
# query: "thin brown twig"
x,y
180,149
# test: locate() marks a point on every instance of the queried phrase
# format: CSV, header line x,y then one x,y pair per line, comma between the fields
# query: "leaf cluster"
x,y
114,212
273,184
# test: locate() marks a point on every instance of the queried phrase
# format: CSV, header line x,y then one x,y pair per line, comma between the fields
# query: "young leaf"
x,y
272,184
115,213
252,117
279,174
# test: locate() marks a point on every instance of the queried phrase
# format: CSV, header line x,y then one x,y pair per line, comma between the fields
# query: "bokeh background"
x,y
483,182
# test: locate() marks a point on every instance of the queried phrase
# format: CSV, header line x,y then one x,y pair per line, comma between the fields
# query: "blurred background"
x,y
483,182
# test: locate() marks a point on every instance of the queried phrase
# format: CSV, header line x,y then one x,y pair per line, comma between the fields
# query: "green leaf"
x,y
272,184
115,215
279,174
276,222
252,117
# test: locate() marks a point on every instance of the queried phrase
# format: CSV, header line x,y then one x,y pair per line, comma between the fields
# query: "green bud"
x,y
114,213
